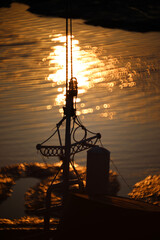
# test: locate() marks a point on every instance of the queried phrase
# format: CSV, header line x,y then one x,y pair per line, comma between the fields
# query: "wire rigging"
x,y
124,180
69,37
49,137
71,40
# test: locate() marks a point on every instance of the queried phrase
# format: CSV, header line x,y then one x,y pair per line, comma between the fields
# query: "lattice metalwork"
x,y
54,151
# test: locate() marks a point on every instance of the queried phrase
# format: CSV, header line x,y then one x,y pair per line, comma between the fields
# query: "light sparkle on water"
x,y
89,70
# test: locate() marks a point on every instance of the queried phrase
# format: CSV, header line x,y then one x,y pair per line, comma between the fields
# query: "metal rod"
x,y
66,160
71,52
80,181
66,46
69,105
48,202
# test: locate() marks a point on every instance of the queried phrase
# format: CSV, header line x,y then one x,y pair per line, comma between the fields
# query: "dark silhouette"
x,y
132,15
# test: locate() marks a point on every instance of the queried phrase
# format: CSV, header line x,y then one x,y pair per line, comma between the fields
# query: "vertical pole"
x,y
68,121
67,147
66,46
71,48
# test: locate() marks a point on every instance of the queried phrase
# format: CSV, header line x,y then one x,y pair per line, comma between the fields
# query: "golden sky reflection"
x,y
89,70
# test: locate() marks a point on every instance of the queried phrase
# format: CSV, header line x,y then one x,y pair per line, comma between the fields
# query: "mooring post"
x,y
97,178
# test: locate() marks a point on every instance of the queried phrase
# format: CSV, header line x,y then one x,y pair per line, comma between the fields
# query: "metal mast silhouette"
x,y
69,111
67,151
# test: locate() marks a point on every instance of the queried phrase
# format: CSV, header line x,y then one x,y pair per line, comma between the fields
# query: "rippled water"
x,y
13,207
119,89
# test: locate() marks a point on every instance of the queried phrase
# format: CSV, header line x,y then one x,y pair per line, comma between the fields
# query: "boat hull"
x,y
107,217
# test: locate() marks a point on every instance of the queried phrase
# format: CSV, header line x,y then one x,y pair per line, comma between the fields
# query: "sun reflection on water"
x,y
86,63
89,69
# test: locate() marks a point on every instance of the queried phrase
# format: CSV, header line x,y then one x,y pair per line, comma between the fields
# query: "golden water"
x,y
119,89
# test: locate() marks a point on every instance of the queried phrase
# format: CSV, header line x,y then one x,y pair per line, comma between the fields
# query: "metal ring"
x,y
85,133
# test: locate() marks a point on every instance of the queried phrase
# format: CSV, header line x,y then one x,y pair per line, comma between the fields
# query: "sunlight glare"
x,y
84,66
89,70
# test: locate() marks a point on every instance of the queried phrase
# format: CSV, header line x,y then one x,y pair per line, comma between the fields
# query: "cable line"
x,y
124,180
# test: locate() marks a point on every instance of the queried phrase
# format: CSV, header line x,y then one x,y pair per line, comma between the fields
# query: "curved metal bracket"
x,y
54,151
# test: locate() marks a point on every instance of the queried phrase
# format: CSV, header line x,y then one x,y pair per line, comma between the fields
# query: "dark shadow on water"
x,y
13,207
140,16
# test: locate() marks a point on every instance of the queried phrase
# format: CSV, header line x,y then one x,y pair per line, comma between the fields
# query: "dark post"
x,y
97,179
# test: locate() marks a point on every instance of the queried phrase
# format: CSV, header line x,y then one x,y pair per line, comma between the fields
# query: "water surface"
x,y
119,89
13,207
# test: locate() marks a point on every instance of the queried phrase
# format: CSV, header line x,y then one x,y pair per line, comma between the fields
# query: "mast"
x,y
66,46
67,151
66,159
68,110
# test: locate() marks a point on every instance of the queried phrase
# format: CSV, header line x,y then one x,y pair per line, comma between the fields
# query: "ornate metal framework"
x,y
76,147
60,151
